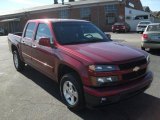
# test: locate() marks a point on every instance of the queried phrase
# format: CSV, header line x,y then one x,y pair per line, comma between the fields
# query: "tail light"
x,y
112,26
145,36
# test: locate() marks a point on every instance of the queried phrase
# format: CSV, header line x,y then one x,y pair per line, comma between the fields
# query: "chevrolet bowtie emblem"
x,y
136,69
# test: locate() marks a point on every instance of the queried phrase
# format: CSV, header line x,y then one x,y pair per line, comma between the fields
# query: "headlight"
x,y
148,59
102,68
102,81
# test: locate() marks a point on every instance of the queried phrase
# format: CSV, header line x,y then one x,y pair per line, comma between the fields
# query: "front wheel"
x,y
71,92
19,65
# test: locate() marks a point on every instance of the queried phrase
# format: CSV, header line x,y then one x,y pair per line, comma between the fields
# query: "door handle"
x,y
34,46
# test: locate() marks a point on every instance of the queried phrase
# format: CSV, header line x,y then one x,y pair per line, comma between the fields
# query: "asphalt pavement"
x,y
32,96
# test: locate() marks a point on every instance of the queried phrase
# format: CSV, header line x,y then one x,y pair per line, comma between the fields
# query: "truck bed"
x,y
14,39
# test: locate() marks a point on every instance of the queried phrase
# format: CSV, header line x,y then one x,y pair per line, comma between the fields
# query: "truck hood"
x,y
103,52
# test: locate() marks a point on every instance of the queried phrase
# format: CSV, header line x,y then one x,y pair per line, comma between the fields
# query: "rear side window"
x,y
30,30
43,31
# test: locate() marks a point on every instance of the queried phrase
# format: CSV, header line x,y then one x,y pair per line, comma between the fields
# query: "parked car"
x,y
142,26
151,37
120,27
90,68
2,31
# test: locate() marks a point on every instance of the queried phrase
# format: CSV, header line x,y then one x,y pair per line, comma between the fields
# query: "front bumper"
x,y
108,95
118,30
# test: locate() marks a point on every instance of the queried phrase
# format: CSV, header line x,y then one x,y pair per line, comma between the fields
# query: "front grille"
x,y
133,64
134,75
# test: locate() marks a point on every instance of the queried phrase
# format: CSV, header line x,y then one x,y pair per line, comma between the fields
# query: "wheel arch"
x,y
64,69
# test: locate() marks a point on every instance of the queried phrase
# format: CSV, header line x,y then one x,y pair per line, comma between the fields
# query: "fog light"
x,y
100,81
103,100
105,79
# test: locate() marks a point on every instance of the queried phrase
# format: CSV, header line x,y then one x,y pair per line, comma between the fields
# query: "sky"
x,y
10,5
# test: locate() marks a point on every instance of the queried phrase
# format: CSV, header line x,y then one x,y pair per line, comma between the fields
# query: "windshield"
x,y
78,32
153,28
119,24
144,22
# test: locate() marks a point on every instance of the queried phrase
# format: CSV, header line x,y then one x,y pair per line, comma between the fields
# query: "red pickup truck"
x,y
90,68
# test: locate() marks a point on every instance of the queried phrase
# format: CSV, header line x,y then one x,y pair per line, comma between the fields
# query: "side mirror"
x,y
45,42
108,35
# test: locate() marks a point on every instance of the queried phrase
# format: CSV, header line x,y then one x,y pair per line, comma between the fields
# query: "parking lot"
x,y
32,96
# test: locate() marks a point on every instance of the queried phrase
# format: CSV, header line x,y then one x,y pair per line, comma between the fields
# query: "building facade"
x,y
103,13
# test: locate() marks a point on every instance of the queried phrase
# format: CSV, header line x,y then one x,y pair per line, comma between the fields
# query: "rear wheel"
x,y
19,65
71,92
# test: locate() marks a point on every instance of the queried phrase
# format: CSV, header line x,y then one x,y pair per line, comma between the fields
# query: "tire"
x,y
143,48
72,92
19,65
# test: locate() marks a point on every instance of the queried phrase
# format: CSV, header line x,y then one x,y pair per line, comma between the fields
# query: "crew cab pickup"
x,y
90,68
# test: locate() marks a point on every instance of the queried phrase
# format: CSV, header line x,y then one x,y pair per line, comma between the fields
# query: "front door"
x,y
43,57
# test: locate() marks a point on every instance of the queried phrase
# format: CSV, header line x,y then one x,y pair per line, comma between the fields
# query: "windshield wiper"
x,y
85,41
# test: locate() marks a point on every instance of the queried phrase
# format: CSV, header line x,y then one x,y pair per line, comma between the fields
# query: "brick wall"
x,y
97,16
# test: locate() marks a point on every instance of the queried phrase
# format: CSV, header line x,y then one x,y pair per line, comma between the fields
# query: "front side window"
x,y
78,33
30,30
43,31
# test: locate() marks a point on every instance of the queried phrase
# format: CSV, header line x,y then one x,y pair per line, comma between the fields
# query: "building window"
x,y
128,17
141,17
110,18
111,14
110,8
130,12
85,13
64,14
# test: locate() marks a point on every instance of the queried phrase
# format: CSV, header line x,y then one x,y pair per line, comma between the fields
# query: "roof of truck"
x,y
57,20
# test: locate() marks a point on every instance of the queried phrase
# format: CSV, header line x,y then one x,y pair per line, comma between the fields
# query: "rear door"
x,y
26,42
